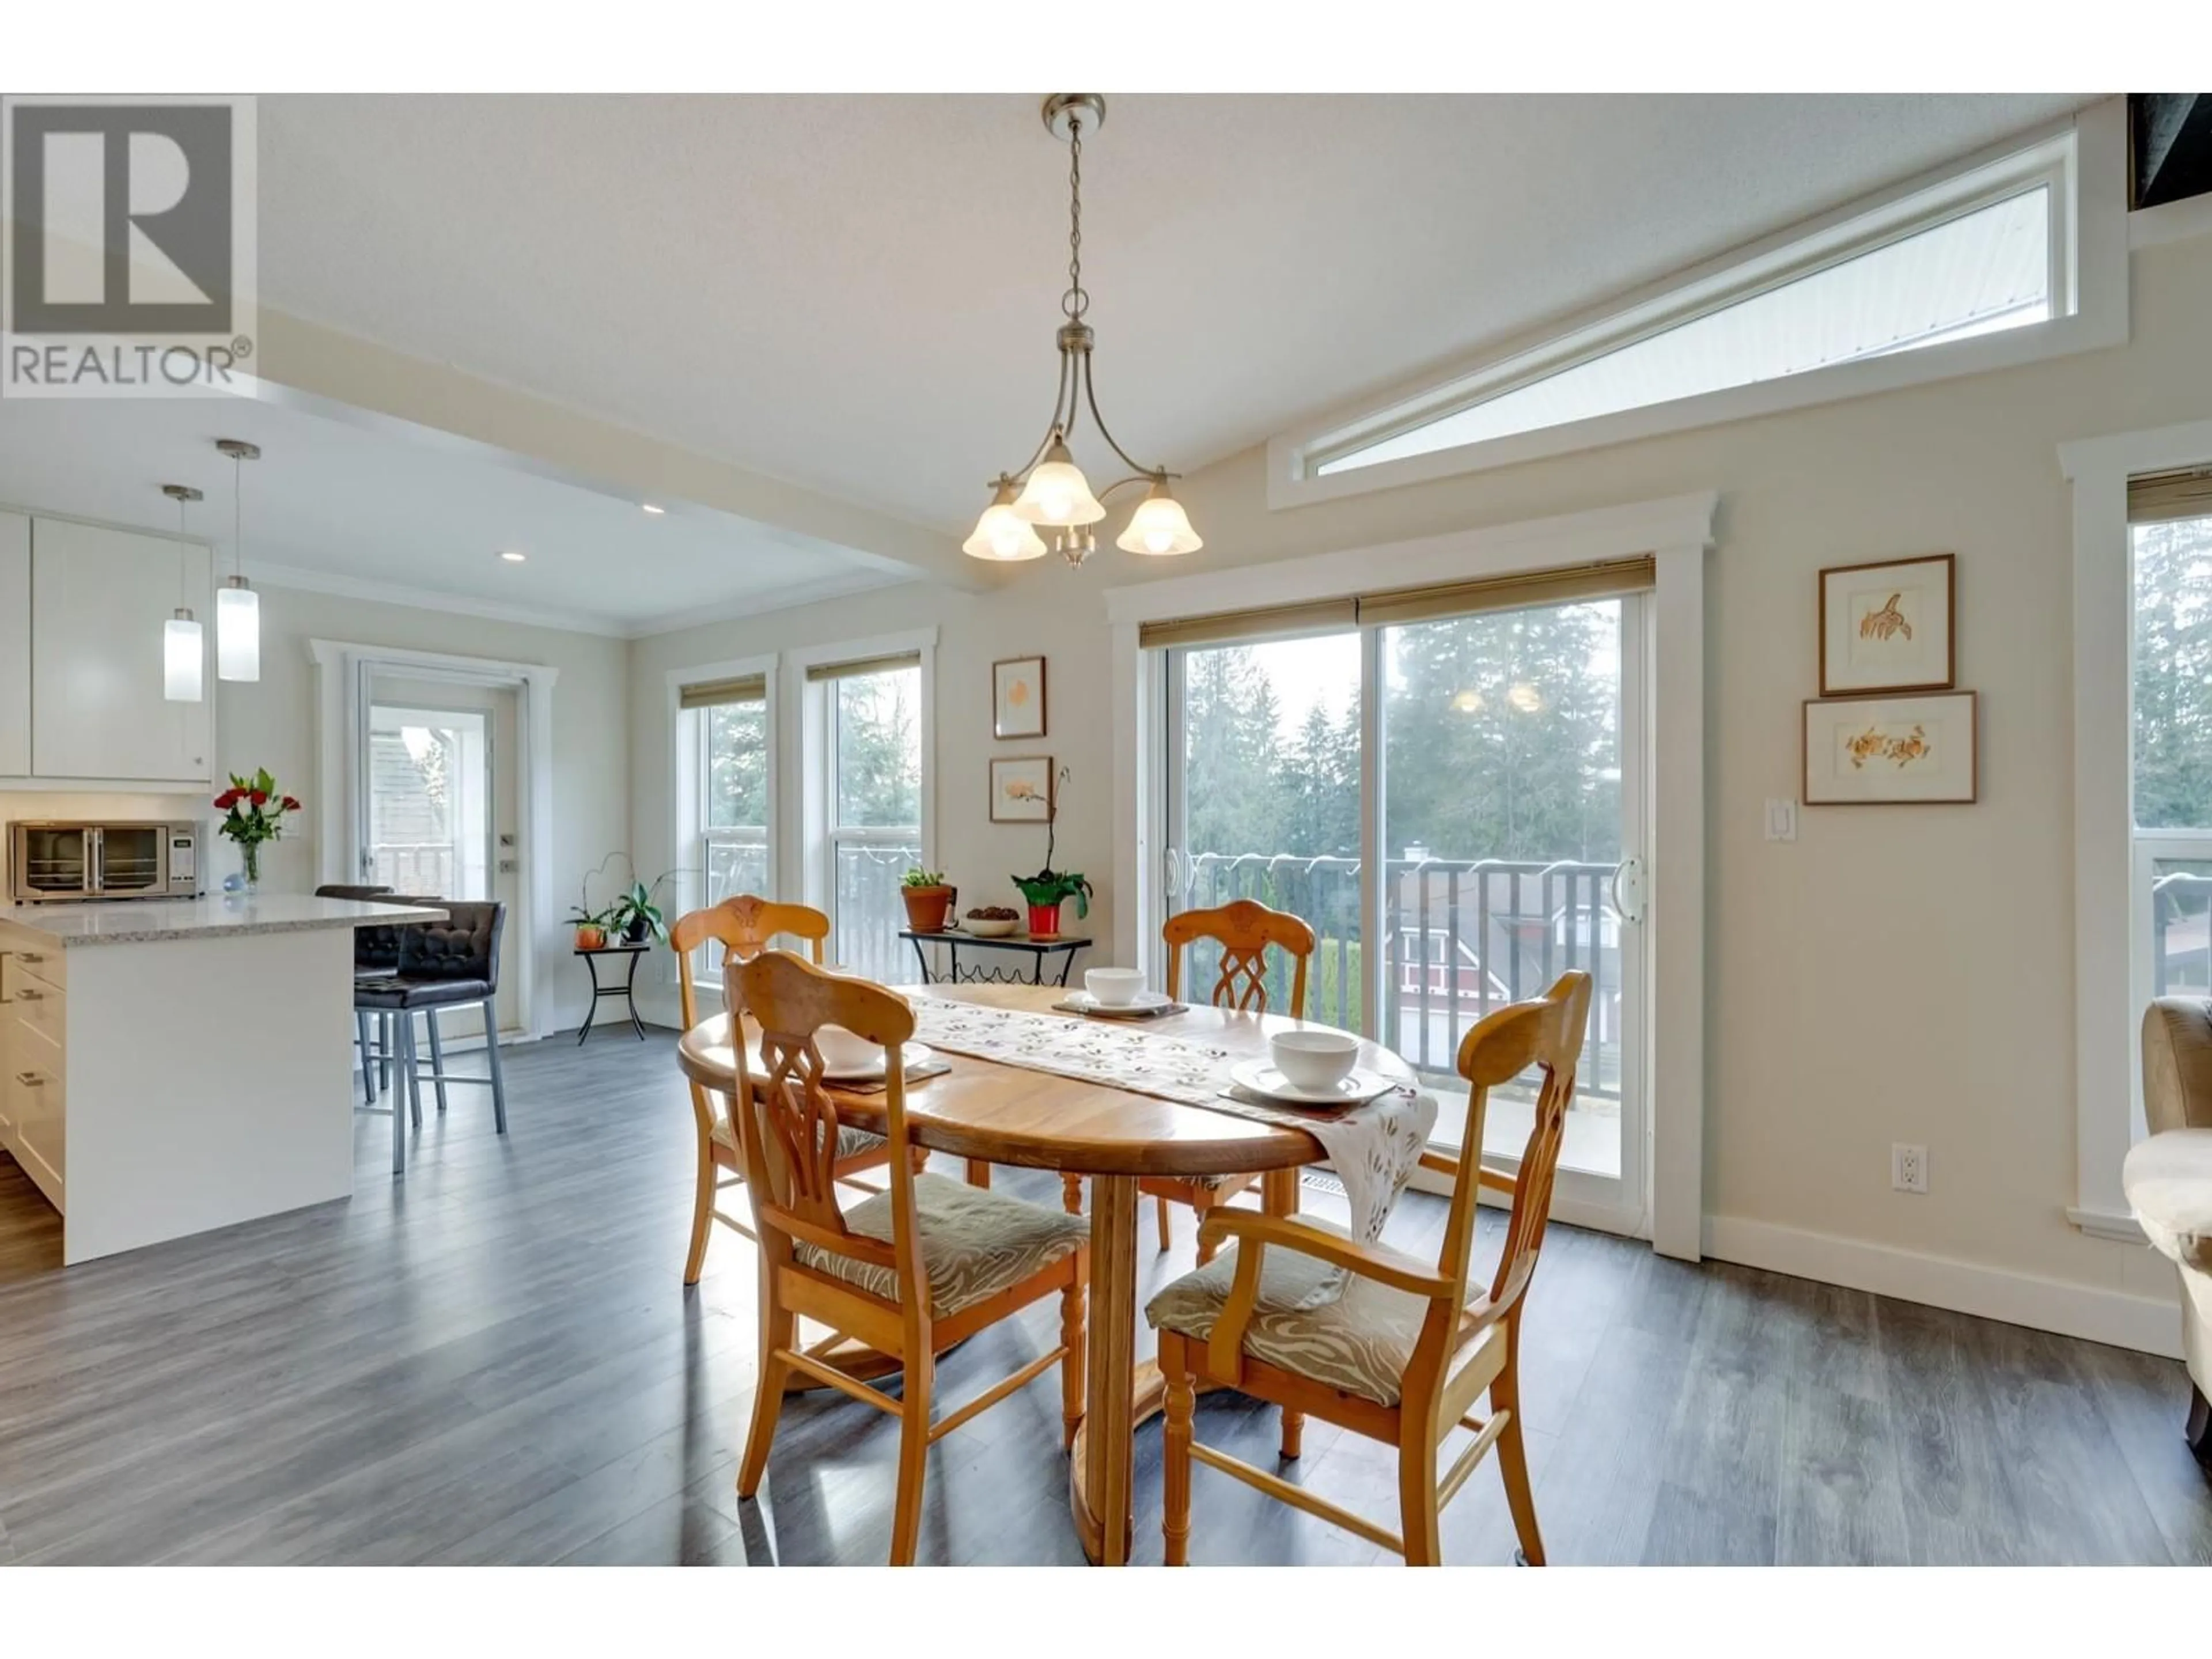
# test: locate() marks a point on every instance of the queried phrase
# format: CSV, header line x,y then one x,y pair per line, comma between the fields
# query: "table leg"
x,y
1099,1468
921,957
592,1010
629,994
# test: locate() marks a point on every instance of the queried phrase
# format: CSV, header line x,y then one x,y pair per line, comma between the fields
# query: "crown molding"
x,y
789,599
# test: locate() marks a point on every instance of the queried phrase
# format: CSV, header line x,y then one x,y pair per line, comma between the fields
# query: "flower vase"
x,y
250,879
1044,920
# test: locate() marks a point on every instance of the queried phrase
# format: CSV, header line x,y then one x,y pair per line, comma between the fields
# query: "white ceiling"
x,y
859,294
382,511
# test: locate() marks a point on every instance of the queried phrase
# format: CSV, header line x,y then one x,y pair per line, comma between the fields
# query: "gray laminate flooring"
x,y
493,1360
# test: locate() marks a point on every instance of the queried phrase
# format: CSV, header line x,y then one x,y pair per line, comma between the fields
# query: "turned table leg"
x,y
1099,1470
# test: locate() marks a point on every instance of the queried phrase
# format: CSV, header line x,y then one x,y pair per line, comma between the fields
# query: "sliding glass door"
x,y
1455,804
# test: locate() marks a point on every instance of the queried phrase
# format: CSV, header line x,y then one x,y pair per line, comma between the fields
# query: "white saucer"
x,y
1258,1077
917,1054
1144,1002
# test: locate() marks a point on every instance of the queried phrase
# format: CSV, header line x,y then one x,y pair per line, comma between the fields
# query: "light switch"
x,y
1781,820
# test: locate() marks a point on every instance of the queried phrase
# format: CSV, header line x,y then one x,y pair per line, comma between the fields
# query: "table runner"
x,y
1374,1147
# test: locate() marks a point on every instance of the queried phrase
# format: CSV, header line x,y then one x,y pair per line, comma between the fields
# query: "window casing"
x,y
867,721
726,779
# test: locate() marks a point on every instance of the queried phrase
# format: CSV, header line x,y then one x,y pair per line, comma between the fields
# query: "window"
x,y
430,801
2170,540
870,716
1846,305
724,791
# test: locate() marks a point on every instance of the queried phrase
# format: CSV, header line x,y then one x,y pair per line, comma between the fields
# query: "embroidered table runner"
x,y
1374,1147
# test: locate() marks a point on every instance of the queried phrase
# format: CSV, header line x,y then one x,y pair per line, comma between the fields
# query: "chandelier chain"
x,y
1075,302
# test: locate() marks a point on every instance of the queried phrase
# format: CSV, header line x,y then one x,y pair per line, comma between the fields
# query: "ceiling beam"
x,y
2170,146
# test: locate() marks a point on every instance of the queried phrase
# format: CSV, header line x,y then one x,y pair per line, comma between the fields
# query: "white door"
x,y
99,599
440,789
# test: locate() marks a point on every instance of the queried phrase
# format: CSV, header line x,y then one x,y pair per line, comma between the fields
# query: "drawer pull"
x,y
30,1079
30,996
29,956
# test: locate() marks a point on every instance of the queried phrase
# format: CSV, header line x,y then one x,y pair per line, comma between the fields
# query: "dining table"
x,y
990,1113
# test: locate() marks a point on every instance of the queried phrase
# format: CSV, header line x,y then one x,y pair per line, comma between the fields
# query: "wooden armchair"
x,y
1243,929
744,926
909,1272
1401,1355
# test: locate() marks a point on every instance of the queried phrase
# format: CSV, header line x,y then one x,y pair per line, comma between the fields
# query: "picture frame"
x,y
1890,626
1018,697
1893,751
1022,789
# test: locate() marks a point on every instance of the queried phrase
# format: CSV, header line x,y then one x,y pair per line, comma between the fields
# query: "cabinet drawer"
x,y
40,1134
42,1024
43,967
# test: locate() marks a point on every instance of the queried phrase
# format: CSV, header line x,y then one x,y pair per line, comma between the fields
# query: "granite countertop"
x,y
153,921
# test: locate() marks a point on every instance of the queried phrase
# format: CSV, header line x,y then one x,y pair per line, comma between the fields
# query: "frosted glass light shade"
x,y
1002,534
1160,526
237,632
182,659
1057,492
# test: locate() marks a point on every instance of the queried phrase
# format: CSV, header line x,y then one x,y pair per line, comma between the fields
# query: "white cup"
x,y
1313,1060
1113,988
844,1054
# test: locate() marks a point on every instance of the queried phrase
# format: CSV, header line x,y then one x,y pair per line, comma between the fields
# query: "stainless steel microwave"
x,y
107,860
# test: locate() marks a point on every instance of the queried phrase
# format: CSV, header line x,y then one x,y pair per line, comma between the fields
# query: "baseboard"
x,y
2142,1322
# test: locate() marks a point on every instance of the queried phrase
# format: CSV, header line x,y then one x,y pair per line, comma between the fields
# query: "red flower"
x,y
227,799
259,798
291,803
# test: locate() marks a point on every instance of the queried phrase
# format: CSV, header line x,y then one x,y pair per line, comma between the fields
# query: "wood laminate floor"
x,y
494,1360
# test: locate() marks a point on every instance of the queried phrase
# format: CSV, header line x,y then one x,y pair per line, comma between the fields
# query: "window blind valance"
x,y
2158,497
846,671
717,694
1392,607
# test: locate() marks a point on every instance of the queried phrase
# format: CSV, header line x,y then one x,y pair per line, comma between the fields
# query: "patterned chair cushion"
x,y
1359,1343
851,1142
975,1243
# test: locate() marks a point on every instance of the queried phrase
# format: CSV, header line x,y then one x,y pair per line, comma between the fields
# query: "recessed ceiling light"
x,y
650,507
514,558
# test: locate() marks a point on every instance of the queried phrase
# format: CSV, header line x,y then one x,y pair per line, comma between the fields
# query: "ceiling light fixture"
x,y
1049,490
183,656
514,558
237,606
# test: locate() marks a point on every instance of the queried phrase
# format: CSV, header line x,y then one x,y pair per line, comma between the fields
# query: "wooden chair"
x,y
1245,929
744,926
910,1272
1401,1355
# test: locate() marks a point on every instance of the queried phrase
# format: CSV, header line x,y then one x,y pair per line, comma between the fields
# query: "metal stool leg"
x,y
411,1068
399,1133
368,1056
437,1059
492,1057
384,1048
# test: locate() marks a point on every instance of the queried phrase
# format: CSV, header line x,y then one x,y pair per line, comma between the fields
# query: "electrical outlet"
x,y
1908,1168
1781,820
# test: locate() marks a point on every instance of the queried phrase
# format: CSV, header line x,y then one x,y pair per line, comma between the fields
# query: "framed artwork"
x,y
1021,789
1888,627
1018,697
1865,751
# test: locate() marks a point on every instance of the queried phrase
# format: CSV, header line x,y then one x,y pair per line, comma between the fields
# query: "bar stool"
x,y
442,965
375,954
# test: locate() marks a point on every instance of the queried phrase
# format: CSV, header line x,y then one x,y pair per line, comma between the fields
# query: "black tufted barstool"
x,y
372,958
453,963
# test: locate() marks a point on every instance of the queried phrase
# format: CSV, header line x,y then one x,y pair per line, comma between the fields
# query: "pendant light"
x,y
237,606
1049,490
183,655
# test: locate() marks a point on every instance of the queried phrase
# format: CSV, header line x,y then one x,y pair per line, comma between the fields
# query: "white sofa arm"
x,y
2168,1182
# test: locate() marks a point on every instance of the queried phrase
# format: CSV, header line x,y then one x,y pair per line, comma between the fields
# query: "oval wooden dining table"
x,y
989,1113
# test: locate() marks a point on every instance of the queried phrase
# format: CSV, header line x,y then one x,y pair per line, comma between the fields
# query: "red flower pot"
x,y
1044,920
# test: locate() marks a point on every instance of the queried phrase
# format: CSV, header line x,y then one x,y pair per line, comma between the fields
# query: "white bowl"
x,y
990,926
844,1053
1314,1059
1113,988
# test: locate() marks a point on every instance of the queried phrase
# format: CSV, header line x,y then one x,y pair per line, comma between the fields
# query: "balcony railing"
x,y
1462,937
418,868
2181,933
869,911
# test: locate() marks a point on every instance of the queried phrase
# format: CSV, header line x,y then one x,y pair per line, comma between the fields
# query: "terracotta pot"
x,y
1044,920
590,939
927,908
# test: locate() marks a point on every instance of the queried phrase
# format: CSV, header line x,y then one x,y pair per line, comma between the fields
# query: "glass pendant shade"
x,y
1002,534
182,659
237,632
1057,492
1160,526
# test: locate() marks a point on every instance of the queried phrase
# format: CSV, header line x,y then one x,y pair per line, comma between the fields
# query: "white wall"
x,y
1901,974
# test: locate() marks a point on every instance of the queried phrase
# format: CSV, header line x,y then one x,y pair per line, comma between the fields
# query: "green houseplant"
x,y
929,900
637,916
590,927
1047,890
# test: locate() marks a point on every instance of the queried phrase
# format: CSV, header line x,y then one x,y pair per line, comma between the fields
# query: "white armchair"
x,y
2168,1178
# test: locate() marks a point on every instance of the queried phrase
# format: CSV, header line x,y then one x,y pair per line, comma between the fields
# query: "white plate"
x,y
1258,1077
917,1054
1144,1002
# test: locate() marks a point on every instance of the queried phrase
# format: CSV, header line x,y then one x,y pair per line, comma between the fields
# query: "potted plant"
x,y
637,915
590,927
929,902
255,809
1047,890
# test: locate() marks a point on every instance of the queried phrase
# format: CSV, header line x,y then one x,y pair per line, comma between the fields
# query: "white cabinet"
x,y
15,646
99,598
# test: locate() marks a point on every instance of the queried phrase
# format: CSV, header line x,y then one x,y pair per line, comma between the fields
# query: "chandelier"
x,y
1049,491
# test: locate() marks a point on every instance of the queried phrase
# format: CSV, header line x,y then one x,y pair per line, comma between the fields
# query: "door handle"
x,y
1628,893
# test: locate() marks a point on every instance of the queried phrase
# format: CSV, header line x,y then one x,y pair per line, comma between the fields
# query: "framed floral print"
x,y
1021,789
1018,697
1864,751
1888,627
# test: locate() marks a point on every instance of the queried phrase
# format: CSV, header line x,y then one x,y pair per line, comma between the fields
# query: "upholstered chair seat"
x,y
974,1243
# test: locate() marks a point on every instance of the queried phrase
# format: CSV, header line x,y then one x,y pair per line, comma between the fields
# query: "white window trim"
x,y
2083,158
1677,533
2107,1054
683,784
803,858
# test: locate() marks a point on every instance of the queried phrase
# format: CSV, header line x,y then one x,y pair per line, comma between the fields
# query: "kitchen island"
x,y
171,1065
